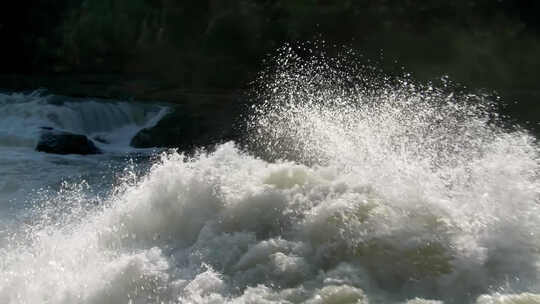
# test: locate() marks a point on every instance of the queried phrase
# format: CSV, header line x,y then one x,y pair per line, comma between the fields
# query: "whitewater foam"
x,y
23,115
375,200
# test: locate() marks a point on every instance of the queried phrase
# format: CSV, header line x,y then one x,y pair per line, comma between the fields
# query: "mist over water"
x,y
358,188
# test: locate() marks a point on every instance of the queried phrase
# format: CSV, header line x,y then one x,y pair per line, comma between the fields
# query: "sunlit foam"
x,y
378,192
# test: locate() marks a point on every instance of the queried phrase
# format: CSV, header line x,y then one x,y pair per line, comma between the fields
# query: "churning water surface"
x,y
363,190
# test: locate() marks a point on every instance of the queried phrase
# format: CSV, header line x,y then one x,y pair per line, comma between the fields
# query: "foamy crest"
x,y
524,298
395,195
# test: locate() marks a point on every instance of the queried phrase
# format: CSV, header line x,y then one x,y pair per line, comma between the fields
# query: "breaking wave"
x,y
366,190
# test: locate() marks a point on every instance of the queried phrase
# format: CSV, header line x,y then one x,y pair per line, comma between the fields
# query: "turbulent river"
x,y
349,188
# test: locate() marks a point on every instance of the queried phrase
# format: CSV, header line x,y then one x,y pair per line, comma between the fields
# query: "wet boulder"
x,y
101,139
61,142
194,125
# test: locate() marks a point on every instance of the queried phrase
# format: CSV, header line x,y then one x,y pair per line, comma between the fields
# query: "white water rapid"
x,y
22,116
379,191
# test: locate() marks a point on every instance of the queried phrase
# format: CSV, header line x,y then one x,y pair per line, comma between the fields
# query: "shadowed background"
x,y
172,50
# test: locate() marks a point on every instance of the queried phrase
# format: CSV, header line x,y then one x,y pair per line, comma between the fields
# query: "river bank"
x,y
109,85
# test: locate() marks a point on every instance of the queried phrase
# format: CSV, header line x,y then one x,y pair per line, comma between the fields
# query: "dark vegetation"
x,y
146,48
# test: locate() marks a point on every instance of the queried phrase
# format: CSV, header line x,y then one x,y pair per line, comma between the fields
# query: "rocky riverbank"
x,y
195,118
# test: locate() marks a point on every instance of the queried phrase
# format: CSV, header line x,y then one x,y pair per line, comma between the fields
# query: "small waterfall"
x,y
114,122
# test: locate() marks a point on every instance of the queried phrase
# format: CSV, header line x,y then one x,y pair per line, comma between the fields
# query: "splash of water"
x,y
386,192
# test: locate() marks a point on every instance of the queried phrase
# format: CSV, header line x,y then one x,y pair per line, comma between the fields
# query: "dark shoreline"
x,y
110,86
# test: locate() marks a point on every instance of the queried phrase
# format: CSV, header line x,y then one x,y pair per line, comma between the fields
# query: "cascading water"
x,y
22,116
110,124
378,191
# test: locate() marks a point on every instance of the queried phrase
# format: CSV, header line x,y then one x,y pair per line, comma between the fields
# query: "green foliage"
x,y
220,44
101,31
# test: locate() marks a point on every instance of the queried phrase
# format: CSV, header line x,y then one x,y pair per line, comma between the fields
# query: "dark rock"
x,y
191,126
60,142
180,130
101,140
